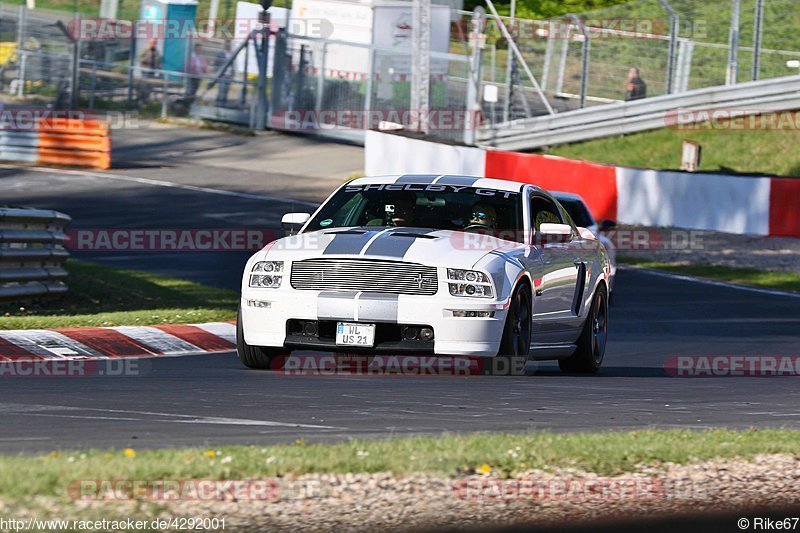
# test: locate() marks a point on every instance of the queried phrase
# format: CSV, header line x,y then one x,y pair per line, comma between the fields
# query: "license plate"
x,y
349,334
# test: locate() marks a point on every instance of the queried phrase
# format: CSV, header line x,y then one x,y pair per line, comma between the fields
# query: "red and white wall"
x,y
734,204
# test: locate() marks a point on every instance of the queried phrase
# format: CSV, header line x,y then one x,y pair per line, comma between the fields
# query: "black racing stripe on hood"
x,y
391,245
349,243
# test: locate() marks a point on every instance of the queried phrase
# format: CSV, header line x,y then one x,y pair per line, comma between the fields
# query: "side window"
x,y
543,211
568,219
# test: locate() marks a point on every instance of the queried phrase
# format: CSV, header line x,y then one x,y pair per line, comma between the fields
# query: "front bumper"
x,y
472,336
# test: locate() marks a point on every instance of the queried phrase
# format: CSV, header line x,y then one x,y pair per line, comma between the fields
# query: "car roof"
x,y
443,179
559,195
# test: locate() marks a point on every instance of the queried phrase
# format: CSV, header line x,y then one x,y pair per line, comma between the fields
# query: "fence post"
x,y
23,18
674,26
243,92
22,65
548,55
584,59
732,72
321,80
93,85
562,62
420,63
368,97
473,103
758,24
510,66
132,66
165,96
261,100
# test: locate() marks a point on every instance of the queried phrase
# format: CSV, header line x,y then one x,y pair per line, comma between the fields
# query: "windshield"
x,y
577,212
432,206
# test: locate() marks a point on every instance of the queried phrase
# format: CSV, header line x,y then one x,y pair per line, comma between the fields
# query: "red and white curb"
x,y
121,341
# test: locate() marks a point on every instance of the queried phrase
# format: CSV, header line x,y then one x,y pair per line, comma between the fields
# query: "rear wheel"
x,y
592,343
254,356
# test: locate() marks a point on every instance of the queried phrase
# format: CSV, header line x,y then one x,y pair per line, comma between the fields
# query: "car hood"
x,y
415,245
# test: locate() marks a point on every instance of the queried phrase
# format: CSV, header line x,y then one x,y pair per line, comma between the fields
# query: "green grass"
x,y
105,296
778,280
740,151
450,455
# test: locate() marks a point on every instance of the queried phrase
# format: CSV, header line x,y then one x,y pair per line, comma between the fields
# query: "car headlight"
x,y
469,283
267,274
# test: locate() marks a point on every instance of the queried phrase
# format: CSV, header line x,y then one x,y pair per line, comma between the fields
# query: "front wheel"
x,y
516,341
254,356
592,343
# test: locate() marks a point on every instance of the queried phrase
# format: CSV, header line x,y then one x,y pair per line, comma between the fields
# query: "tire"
x,y
254,356
516,340
588,357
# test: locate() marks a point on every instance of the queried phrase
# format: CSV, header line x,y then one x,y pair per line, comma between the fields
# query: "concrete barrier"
x,y
757,205
396,154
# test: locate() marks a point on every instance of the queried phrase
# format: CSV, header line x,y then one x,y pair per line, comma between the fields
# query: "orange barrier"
x,y
74,142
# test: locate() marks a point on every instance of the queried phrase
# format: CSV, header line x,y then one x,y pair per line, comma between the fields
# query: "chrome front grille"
x,y
364,275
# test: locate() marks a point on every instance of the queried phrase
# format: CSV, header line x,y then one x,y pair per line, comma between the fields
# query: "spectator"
x,y
637,88
197,67
149,58
223,57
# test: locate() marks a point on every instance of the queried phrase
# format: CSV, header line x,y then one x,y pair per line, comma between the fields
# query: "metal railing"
x,y
32,253
749,98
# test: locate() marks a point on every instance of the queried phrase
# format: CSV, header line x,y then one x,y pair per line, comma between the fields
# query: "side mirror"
x,y
549,232
606,225
292,222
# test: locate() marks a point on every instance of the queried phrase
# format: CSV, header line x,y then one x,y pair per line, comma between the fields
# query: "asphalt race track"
x,y
214,400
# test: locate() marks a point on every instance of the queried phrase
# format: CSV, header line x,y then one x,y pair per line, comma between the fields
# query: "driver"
x,y
398,213
483,217
403,214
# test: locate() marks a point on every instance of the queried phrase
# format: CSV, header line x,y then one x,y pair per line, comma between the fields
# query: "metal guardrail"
x,y
776,94
32,253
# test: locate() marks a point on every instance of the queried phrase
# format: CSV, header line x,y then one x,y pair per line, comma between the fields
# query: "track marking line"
x,y
42,410
162,183
711,282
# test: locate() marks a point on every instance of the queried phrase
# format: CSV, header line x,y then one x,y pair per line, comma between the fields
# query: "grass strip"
x,y
606,453
769,279
105,296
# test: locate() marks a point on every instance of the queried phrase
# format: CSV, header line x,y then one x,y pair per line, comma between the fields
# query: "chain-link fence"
x,y
39,50
343,88
340,88
676,45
